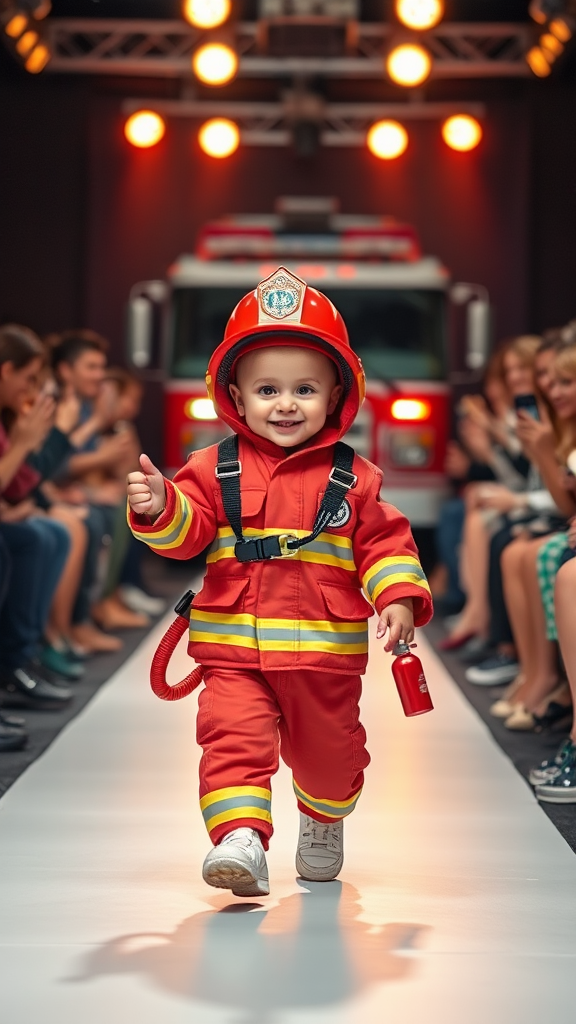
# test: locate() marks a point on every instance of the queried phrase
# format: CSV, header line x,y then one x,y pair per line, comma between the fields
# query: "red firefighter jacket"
x,y
306,610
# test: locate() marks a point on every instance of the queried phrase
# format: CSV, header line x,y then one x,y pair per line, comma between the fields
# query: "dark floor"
x,y
525,749
164,578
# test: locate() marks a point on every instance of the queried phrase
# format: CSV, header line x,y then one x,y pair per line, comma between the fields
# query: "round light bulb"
x,y
537,62
206,13
462,132
387,139
38,59
27,42
420,14
145,128
561,29
219,137
551,46
215,64
15,27
409,64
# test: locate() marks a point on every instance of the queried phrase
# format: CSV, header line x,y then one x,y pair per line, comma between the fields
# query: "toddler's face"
x,y
285,394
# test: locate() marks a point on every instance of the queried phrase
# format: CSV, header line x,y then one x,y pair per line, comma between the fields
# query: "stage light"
x,y
219,137
215,64
387,139
551,46
420,14
462,132
144,129
27,42
206,13
409,64
200,409
15,27
561,29
38,59
537,62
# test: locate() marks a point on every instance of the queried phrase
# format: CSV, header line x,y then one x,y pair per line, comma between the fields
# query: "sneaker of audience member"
x,y
551,766
475,651
494,671
137,600
561,788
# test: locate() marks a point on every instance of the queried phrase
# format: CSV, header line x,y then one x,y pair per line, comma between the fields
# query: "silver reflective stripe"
x,y
159,542
234,801
319,547
317,636
231,629
328,809
404,568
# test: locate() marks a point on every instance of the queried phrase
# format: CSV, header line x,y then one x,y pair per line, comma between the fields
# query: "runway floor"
x,y
457,902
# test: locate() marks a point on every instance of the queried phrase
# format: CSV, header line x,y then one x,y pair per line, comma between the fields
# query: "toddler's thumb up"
x,y
148,466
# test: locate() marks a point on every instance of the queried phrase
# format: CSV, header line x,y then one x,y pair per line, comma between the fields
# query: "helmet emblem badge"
x,y
280,297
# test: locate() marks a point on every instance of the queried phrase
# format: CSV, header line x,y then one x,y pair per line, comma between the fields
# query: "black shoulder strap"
x,y
228,471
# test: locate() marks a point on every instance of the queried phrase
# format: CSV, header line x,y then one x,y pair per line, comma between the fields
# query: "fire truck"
x,y
395,303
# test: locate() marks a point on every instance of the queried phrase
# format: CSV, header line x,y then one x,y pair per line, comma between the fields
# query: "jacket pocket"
x,y
346,603
222,594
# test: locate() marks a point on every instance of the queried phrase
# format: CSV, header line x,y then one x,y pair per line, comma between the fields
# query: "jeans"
x,y
35,553
448,540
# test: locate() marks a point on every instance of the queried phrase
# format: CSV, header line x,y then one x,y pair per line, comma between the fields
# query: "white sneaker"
x,y
320,852
238,863
138,601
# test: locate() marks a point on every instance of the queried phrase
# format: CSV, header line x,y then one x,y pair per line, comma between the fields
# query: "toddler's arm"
x,y
146,489
398,620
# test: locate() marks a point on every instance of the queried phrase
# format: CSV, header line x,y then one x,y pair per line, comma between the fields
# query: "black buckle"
x,y
346,484
184,604
261,549
223,470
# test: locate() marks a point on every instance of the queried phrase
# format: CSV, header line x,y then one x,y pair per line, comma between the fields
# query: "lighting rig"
x,y
297,40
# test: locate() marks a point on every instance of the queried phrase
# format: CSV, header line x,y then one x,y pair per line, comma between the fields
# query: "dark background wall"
x,y
83,215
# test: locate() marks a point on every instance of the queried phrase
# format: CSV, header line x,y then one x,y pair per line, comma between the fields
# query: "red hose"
x,y
160,661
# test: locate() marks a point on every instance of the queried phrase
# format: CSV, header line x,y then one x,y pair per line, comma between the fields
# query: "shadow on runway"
x,y
310,950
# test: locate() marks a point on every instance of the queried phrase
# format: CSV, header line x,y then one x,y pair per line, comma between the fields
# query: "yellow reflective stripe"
x,y
329,808
387,568
196,636
230,792
174,534
315,624
240,619
340,554
400,577
279,634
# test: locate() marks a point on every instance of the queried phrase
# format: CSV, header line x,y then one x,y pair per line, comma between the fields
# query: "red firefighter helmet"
x,y
283,309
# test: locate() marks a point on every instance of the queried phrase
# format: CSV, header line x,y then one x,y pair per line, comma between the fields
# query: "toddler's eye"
x,y
267,390
305,389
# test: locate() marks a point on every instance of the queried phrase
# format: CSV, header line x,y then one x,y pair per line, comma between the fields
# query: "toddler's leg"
x,y
237,729
323,742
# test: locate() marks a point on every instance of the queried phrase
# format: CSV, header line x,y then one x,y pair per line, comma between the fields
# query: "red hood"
x,y
320,328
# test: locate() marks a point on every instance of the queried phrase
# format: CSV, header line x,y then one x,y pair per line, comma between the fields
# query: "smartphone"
x,y
528,403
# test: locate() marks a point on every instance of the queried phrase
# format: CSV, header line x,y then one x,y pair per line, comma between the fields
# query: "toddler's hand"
x,y
146,489
398,620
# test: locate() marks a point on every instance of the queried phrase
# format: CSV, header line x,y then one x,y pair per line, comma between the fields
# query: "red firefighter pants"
x,y
246,718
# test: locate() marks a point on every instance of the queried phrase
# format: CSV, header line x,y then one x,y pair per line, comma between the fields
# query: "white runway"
x,y
457,903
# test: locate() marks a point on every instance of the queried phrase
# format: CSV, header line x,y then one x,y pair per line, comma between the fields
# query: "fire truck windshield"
x,y
398,333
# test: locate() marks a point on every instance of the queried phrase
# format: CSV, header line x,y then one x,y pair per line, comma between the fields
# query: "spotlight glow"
x,y
387,140
551,46
145,128
215,64
38,59
420,14
15,27
410,409
219,137
27,42
409,64
206,13
561,29
538,62
462,132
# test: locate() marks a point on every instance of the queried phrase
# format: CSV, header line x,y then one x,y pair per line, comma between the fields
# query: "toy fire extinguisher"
x,y
410,681
166,649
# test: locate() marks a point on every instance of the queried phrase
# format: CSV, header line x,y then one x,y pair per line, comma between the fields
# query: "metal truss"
x,y
164,49
270,124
